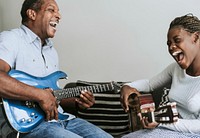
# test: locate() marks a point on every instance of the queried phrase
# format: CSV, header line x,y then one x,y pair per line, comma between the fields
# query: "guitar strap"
x,y
164,98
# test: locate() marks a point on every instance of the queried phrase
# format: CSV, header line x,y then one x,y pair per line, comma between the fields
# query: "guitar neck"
x,y
76,91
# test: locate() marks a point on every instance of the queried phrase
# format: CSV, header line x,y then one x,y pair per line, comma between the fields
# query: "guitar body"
x,y
25,115
145,105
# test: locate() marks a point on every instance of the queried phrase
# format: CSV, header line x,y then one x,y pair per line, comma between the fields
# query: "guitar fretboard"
x,y
73,92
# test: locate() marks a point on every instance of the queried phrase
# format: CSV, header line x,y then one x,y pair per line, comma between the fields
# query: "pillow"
x,y
107,112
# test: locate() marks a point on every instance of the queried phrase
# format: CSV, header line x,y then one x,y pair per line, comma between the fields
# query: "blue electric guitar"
x,y
26,115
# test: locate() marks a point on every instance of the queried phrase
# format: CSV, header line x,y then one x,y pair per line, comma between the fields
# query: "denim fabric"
x,y
74,128
160,133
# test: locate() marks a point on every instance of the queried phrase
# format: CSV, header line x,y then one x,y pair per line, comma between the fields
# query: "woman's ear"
x,y
31,14
196,36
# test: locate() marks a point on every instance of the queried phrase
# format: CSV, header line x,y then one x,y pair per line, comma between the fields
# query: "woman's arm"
x,y
161,80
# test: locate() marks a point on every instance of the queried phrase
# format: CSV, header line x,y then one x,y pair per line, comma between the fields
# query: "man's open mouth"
x,y
53,24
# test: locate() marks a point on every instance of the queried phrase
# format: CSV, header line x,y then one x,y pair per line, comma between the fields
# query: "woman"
x,y
183,75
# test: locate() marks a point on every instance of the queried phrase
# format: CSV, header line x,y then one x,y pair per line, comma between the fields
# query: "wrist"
x,y
157,125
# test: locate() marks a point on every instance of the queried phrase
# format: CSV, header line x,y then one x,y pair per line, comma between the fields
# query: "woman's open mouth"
x,y
178,56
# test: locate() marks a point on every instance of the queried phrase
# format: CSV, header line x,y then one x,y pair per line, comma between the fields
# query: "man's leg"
x,y
86,129
50,130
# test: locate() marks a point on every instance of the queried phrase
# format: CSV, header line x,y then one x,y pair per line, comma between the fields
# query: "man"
x,y
29,49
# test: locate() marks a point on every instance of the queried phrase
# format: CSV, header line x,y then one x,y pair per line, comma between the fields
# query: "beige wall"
x,y
1,18
10,13
103,40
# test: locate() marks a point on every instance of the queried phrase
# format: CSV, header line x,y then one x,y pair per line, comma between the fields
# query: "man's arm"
x,y
13,89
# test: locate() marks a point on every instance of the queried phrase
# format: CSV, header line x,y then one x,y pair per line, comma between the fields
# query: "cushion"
x,y
107,112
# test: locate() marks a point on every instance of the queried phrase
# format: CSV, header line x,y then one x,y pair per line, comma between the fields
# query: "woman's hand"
x,y
125,92
146,124
86,99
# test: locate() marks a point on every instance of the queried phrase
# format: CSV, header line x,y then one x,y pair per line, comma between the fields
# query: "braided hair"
x,y
188,22
30,4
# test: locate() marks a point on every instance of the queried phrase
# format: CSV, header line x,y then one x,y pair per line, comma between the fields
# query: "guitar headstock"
x,y
167,113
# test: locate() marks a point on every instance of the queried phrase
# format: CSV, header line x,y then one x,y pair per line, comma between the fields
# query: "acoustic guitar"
x,y
145,105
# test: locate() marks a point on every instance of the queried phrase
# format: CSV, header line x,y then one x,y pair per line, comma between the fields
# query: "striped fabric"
x,y
107,113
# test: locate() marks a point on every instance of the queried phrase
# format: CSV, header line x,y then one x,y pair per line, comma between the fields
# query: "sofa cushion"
x,y
107,112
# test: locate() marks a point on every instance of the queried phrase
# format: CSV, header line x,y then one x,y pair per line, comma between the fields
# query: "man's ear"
x,y
31,14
